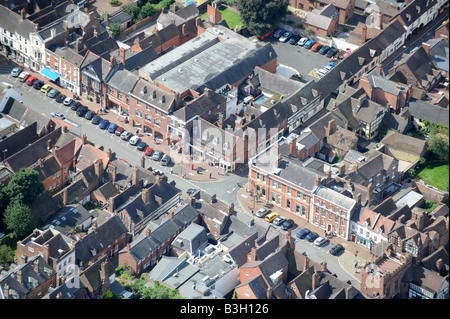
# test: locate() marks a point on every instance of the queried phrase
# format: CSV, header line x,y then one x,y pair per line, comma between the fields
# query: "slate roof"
x,y
277,83
335,197
404,142
19,140
197,107
13,22
423,110
153,95
122,80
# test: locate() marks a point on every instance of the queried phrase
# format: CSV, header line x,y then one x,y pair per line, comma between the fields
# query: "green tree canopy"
x,y
261,15
18,220
158,291
24,187
439,142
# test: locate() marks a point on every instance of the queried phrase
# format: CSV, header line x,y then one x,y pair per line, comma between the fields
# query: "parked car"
x,y
75,106
119,131
287,224
156,155
16,72
53,93
89,115
336,249
324,49
311,237
271,217
316,47
285,36
112,127
60,98
45,88
96,119
134,140
320,241
82,110
322,71
302,41
68,101
141,146
125,135
149,151
58,115
302,233
309,44
332,52
279,220
23,76
294,39
331,64
262,212
165,160
104,124
30,80
278,33
38,84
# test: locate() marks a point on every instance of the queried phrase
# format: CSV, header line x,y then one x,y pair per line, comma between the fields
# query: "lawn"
x,y
232,18
436,174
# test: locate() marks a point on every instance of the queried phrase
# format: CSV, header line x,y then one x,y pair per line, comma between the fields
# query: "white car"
x,y
320,241
58,115
279,220
68,101
125,135
285,36
23,76
323,71
302,41
134,140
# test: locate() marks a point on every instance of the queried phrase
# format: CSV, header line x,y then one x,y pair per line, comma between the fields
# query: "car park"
x,y
271,217
149,151
279,220
165,160
125,135
104,124
309,44
287,224
89,115
278,33
53,93
45,88
68,101
323,50
134,140
294,39
141,146
336,249
316,47
96,119
16,72
38,84
75,106
60,98
332,52
156,155
302,41
322,72
262,212
311,237
30,80
23,76
119,131
285,36
302,233
112,127
58,115
82,110
331,64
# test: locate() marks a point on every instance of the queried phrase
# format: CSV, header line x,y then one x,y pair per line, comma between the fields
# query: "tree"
x,y
158,291
439,142
109,295
115,29
24,187
18,220
6,255
132,9
261,15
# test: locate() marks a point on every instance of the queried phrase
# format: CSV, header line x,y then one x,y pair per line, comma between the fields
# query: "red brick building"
x,y
345,7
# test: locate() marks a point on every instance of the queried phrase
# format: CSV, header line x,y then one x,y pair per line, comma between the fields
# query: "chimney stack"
x,y
49,144
426,47
315,279
293,148
106,17
380,21
191,201
145,195
74,164
252,254
369,193
122,55
148,232
64,196
23,13
364,34
306,263
99,168
331,127
183,29
109,153
84,139
318,180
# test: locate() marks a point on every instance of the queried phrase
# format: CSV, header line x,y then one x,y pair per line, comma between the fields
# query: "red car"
x,y
31,80
119,131
149,151
316,47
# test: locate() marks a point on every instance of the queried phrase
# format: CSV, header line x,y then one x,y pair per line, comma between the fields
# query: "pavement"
x,y
353,251
202,172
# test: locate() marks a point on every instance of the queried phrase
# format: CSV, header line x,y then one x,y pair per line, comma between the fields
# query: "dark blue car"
x,y
302,233
104,124
112,128
312,237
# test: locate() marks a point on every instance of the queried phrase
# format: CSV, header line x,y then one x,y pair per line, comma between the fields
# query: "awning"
x,y
50,74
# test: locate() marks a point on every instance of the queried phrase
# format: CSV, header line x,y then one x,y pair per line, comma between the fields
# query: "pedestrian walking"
x,y
210,174
171,171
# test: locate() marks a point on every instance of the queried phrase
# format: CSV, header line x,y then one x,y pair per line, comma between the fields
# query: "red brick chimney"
x,y
84,139
426,47
122,55
145,195
315,279
331,127
99,168
64,196
252,254
364,34
293,148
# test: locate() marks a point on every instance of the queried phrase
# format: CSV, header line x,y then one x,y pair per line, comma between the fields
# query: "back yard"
x,y
435,174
